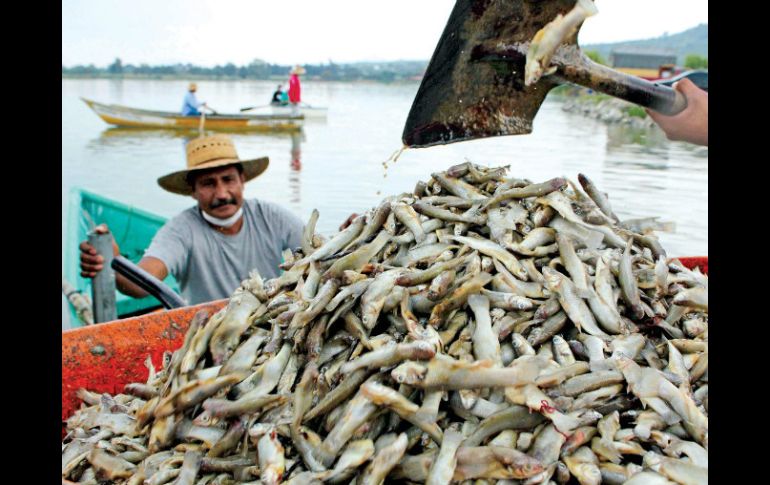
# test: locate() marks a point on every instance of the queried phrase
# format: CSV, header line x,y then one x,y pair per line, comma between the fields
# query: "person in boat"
x,y
692,124
191,103
279,96
294,88
211,247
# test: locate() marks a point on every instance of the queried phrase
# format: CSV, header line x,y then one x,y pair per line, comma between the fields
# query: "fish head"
x,y
310,436
260,429
587,473
409,373
526,467
206,418
552,278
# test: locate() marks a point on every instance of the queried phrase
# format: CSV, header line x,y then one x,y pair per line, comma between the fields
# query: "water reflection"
x,y
646,140
295,164
118,137
296,140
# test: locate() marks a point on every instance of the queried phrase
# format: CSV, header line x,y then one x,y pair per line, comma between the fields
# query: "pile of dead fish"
x,y
482,328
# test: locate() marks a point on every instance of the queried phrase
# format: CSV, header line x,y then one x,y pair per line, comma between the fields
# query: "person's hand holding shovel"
x,y
692,124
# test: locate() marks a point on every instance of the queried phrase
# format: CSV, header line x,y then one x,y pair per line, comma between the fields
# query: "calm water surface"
x,y
336,165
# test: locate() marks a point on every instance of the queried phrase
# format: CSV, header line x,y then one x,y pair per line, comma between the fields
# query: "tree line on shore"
x,y
257,69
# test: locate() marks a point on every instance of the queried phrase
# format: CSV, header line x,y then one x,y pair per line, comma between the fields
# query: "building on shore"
x,y
644,62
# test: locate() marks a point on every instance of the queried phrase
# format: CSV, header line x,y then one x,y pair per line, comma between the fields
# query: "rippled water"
x,y
336,165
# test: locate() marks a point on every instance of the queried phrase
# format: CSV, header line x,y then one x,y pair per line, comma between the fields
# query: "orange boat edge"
x,y
105,357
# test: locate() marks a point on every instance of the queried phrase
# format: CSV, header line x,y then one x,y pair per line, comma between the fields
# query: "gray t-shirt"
x,y
209,265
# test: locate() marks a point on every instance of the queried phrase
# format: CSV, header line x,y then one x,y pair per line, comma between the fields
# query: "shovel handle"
x,y
655,96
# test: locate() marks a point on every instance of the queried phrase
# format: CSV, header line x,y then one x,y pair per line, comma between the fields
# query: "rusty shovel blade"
x,y
468,94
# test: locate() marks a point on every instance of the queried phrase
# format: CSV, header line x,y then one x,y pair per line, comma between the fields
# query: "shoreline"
x,y
175,77
606,108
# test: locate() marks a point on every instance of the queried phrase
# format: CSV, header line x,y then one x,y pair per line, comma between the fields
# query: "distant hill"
x,y
691,41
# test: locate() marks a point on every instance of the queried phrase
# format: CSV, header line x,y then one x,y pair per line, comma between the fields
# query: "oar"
x,y
249,108
201,124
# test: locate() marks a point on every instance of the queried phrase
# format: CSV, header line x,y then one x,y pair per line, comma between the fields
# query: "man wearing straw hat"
x,y
211,247
191,104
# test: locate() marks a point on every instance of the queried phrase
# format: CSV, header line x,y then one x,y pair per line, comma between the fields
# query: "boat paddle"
x,y
249,108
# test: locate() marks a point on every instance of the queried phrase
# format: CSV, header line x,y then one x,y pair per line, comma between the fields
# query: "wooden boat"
x,y
140,118
133,230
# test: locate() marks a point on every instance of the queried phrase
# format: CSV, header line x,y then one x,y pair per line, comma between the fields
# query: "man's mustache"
x,y
220,202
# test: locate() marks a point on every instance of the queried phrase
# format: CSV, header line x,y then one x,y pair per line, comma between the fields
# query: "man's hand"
x,y
692,124
348,221
92,262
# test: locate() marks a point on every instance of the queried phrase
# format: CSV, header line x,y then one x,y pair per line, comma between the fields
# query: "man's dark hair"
x,y
194,174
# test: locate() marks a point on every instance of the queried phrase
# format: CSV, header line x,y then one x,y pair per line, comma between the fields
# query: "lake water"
x,y
336,166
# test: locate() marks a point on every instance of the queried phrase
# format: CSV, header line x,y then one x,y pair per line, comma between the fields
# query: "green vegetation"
x,y
596,57
637,111
257,69
694,61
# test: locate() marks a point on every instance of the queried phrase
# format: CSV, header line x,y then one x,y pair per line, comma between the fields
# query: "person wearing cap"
x,y
294,88
211,247
191,104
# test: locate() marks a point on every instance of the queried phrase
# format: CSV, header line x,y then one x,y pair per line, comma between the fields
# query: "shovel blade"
x,y
467,94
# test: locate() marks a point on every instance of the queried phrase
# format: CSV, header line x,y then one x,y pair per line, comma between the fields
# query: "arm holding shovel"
x,y
692,124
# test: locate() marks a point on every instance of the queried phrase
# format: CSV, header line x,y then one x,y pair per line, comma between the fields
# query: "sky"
x,y
211,32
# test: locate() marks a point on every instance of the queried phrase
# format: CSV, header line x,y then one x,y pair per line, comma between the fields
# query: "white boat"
x,y
308,111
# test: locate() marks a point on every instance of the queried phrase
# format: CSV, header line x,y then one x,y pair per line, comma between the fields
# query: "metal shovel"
x,y
474,85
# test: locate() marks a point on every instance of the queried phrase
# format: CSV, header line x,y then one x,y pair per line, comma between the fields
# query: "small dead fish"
x,y
389,355
108,466
599,197
444,372
272,463
532,190
458,297
384,461
551,36
443,468
193,393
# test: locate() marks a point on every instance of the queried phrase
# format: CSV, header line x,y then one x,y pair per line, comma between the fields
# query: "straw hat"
x,y
210,152
192,87
298,70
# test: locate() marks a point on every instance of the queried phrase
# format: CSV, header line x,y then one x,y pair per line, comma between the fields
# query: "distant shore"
x,y
603,107
176,77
